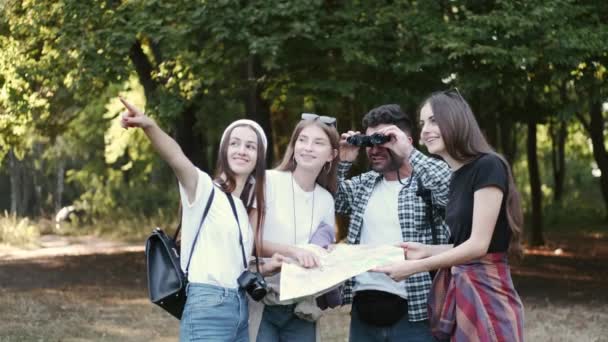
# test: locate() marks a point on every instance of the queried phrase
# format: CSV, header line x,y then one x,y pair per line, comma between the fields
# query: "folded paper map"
x,y
344,262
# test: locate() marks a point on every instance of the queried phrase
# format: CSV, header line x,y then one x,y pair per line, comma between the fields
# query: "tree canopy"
x,y
196,65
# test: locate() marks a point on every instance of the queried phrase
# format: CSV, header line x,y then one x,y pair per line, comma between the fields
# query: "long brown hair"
x,y
225,177
327,178
464,141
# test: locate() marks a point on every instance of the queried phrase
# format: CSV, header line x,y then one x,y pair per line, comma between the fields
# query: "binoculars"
x,y
362,140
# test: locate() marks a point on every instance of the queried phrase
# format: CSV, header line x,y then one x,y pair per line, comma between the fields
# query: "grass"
x,y
584,216
547,320
125,227
17,230
100,314
24,232
104,298
82,314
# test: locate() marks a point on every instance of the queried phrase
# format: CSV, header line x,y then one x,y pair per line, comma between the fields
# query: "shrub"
x,y
17,230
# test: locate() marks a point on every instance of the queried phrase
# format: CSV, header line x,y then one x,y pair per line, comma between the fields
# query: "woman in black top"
x,y
473,294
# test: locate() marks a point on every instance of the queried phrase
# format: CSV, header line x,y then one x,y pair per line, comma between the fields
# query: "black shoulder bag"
x,y
166,280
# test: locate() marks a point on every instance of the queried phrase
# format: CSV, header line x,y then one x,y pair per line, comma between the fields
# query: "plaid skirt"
x,y
476,301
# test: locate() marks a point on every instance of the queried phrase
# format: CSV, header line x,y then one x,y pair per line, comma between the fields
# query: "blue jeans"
x,y
279,324
214,313
403,330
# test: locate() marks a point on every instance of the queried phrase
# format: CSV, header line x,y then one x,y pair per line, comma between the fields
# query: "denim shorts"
x,y
214,313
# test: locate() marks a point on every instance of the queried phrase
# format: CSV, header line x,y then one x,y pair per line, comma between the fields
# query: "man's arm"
x,y
346,188
435,175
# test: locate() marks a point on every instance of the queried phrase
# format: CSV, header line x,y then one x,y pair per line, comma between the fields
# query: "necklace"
x,y
312,211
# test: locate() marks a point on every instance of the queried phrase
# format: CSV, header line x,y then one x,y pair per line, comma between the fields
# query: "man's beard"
x,y
394,163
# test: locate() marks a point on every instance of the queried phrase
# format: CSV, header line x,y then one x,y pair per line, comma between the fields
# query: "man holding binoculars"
x,y
384,209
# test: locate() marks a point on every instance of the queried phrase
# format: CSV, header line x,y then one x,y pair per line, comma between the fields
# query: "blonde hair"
x,y
327,177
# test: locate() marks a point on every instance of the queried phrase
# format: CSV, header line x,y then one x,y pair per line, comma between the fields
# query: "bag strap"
x,y
179,225
231,200
200,226
429,208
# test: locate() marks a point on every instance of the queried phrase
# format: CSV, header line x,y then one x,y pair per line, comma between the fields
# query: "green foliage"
x,y
122,171
193,65
583,199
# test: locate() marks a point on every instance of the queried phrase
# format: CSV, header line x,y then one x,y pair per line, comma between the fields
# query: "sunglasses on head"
x,y
328,120
454,92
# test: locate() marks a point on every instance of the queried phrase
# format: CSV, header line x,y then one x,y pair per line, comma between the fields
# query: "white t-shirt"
x,y
381,226
283,224
217,258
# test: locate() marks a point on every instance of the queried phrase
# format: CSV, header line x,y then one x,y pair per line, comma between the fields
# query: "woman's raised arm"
x,y
165,146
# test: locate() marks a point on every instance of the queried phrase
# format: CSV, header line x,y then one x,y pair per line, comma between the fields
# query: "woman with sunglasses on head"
x,y
216,308
473,297
299,210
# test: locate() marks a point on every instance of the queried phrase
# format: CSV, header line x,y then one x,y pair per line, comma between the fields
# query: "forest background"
x,y
534,72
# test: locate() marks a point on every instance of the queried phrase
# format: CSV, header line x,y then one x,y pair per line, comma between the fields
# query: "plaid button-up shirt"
x,y
352,198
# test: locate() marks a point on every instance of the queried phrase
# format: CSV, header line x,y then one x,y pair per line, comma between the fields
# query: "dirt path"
x,y
99,294
55,245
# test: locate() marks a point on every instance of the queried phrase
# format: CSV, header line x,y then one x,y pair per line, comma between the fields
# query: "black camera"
x,y
368,140
254,284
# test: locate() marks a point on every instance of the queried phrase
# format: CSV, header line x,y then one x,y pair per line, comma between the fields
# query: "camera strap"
x,y
231,200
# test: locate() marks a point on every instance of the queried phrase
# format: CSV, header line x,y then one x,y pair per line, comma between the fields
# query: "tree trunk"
x,y
596,130
558,157
15,176
59,186
38,179
143,68
257,109
492,128
27,188
215,149
536,231
508,143
192,143
21,186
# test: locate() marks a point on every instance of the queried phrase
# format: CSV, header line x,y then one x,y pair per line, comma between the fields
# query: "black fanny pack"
x,y
379,308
